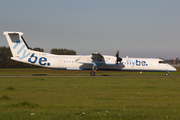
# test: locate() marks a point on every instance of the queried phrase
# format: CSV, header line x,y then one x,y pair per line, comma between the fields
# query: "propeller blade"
x,y
117,56
117,53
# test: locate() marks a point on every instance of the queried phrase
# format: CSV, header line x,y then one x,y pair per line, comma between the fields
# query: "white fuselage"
x,y
96,61
76,62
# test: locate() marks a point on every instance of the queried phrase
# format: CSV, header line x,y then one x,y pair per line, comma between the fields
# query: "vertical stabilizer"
x,y
18,46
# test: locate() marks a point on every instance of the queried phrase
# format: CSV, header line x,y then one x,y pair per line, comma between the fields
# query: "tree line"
x,y
6,62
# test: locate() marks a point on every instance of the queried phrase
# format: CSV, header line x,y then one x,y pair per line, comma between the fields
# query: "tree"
x,y
5,55
6,62
62,51
38,49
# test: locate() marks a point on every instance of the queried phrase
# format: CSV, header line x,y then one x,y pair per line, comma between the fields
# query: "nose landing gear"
x,y
166,74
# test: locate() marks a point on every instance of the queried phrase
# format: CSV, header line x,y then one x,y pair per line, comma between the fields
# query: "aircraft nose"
x,y
175,69
172,68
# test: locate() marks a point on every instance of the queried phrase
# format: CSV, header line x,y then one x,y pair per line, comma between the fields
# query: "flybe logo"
x,y
136,63
33,59
24,55
41,61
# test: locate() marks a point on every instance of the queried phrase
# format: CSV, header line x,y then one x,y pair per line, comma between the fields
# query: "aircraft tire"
x,y
166,74
92,73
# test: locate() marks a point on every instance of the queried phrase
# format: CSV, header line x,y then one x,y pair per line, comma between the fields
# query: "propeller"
x,y
117,56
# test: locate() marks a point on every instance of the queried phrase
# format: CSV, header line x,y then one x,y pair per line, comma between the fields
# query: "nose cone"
x,y
172,69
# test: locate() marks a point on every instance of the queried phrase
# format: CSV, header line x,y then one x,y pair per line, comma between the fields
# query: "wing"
x,y
96,59
97,56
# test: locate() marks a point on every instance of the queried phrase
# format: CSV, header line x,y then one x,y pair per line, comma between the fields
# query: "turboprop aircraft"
x,y
96,61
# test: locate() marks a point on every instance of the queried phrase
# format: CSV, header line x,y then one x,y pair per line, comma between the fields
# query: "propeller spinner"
x,y
117,56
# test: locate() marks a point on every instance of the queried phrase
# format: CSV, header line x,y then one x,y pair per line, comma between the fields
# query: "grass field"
x,y
32,71
88,98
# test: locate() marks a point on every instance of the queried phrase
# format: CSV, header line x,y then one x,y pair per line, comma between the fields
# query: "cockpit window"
x,y
162,62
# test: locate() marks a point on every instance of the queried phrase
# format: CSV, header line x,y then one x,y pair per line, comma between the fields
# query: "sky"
x,y
138,28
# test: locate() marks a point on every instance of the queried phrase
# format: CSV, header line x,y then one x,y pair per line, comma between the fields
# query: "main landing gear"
x,y
92,73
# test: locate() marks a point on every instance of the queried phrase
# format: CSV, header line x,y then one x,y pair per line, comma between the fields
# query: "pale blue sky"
x,y
138,28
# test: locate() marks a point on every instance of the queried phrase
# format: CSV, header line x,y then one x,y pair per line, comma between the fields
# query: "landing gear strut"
x,y
93,71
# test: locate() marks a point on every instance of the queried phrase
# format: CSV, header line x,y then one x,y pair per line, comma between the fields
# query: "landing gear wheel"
x,y
92,73
166,74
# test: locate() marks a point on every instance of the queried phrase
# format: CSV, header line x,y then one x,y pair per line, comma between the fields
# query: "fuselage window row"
x,y
68,61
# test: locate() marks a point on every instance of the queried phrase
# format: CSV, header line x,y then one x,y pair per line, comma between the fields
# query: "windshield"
x,y
162,62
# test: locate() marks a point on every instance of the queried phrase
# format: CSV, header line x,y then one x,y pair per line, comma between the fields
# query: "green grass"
x,y
46,71
87,98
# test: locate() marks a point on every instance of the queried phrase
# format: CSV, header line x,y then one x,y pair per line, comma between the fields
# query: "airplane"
x,y
94,62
